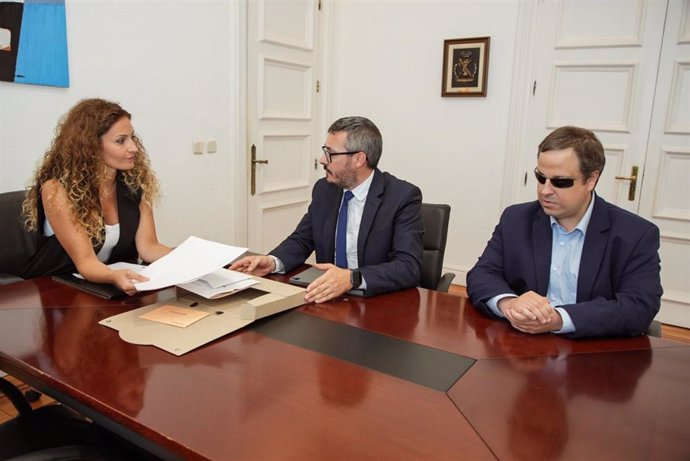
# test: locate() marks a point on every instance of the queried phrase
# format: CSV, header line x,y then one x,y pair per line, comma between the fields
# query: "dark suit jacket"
x,y
618,286
389,245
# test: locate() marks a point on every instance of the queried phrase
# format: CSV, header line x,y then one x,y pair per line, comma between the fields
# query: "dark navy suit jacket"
x,y
618,285
389,244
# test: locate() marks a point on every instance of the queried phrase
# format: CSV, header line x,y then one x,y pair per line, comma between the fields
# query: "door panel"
x,y
622,69
274,215
286,89
282,115
595,67
665,198
288,154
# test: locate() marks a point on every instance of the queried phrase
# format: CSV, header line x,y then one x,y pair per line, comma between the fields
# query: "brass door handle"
x,y
633,182
254,162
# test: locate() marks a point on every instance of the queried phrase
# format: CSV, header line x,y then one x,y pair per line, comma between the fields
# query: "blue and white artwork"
x,y
33,42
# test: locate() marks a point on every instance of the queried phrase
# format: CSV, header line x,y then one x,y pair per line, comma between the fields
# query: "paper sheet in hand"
x,y
194,258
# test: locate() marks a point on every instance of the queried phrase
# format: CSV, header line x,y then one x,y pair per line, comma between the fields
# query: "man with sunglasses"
x,y
570,262
364,225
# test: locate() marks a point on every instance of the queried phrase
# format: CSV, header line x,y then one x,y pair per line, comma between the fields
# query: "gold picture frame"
x,y
465,67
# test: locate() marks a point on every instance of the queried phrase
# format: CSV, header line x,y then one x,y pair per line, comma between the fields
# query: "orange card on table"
x,y
174,315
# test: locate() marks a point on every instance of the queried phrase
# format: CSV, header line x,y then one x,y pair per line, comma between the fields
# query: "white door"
x,y
282,71
622,69
665,194
595,67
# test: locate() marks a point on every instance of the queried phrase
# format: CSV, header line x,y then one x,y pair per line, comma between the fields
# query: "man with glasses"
x,y
570,263
364,225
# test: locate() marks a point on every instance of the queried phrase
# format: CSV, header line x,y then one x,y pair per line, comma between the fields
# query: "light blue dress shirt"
x,y
566,252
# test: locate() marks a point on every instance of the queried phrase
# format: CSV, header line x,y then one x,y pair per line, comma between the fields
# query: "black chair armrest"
x,y
15,396
444,283
654,329
6,279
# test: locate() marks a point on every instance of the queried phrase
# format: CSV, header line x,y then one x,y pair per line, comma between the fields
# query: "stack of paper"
x,y
193,259
219,283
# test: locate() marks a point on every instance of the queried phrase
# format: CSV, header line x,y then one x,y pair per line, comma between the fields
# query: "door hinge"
x,y
525,180
316,164
319,5
534,88
318,86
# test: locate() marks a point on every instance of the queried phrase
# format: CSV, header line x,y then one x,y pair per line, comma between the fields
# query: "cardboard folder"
x,y
225,315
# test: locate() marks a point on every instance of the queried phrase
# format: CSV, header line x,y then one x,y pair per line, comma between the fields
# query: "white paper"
x,y
121,265
202,287
194,258
224,277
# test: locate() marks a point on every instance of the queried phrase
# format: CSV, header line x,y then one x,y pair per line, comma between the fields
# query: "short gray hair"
x,y
362,135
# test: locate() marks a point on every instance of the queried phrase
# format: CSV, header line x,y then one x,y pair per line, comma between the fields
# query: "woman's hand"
x,y
124,279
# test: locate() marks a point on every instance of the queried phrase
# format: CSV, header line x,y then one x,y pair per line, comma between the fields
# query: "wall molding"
x,y
308,40
630,68
238,92
634,39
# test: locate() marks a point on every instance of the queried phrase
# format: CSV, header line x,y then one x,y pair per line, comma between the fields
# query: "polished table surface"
x,y
255,395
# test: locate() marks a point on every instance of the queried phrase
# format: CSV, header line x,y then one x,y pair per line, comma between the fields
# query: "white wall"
x,y
386,59
170,64
173,64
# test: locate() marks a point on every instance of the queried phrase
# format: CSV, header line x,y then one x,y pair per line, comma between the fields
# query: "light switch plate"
x,y
198,147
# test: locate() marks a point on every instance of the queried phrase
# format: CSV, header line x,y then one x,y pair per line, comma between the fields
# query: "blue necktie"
x,y
341,233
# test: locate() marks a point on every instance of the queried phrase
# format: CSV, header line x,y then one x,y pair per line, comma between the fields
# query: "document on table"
x,y
219,283
194,258
174,315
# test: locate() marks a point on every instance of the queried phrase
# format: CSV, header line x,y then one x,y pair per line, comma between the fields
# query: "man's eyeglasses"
x,y
559,183
329,154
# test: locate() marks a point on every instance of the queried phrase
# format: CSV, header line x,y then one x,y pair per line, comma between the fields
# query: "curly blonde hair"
x,y
74,160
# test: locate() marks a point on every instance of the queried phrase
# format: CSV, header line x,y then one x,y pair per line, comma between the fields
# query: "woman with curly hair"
x,y
91,199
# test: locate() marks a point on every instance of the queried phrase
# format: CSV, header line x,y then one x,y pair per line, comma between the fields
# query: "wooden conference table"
x,y
410,375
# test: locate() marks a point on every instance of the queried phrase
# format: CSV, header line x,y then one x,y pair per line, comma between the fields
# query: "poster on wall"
x,y
33,42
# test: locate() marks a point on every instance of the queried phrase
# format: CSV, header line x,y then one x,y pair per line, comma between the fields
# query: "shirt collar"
x,y
362,190
584,222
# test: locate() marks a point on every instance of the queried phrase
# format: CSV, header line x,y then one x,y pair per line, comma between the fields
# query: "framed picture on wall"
x,y
465,66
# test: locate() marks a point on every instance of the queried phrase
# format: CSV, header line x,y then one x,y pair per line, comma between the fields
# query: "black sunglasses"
x,y
329,154
559,183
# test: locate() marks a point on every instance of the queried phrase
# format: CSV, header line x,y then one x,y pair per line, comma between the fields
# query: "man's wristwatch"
x,y
355,278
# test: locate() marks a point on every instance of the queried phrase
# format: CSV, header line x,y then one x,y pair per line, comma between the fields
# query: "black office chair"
x,y
18,245
54,432
435,219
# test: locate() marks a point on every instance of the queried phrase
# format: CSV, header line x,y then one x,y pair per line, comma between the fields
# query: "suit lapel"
x,y
593,249
370,209
541,242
